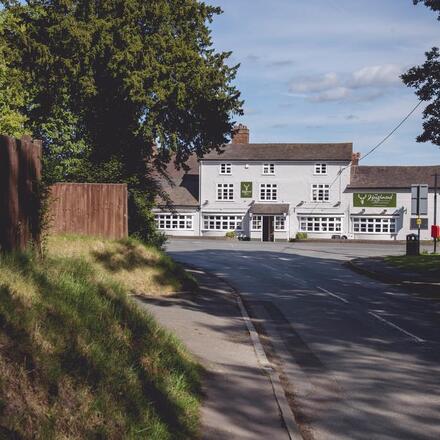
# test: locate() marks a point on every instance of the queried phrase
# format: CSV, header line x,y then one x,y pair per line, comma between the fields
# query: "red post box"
x,y
435,231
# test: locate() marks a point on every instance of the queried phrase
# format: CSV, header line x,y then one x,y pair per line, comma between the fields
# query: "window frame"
x,y
325,187
166,222
227,169
257,218
321,224
277,222
373,225
233,222
317,169
271,187
270,170
229,187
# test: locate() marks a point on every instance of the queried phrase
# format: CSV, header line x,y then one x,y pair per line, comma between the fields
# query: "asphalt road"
x,y
359,359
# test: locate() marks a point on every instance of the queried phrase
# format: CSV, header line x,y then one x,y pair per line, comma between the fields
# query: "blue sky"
x,y
328,70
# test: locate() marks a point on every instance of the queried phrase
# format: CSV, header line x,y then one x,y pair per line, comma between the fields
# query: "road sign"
x,y
418,221
419,200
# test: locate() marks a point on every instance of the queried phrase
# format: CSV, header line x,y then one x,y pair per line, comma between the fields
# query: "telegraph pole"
x,y
435,209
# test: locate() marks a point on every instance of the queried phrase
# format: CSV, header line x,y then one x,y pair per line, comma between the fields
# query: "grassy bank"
x,y
78,359
421,263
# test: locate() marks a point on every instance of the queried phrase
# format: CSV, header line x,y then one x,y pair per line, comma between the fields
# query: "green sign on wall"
x,y
246,190
374,200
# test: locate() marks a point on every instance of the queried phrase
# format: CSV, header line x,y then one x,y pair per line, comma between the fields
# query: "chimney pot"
x,y
355,159
240,134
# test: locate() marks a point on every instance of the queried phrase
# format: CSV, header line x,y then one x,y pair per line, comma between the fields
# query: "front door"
x,y
268,234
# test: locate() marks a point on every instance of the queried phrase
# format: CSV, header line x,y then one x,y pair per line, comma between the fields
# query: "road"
x,y
359,359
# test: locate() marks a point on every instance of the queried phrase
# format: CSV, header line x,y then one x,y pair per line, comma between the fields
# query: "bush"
x,y
301,236
231,234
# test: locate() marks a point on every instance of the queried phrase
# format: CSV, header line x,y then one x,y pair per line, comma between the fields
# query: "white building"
x,y
273,191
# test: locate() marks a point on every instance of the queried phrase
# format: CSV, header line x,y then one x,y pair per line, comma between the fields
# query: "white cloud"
x,y
314,84
365,84
376,76
335,94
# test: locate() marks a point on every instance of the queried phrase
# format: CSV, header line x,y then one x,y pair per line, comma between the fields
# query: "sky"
x,y
328,71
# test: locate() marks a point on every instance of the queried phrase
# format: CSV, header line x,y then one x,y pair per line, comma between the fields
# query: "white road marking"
x,y
284,259
416,338
332,294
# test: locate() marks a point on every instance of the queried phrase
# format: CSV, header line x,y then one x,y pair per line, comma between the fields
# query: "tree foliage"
x,y
432,4
426,81
119,86
13,95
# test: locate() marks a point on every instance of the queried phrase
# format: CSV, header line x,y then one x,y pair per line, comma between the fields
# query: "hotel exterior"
x,y
270,192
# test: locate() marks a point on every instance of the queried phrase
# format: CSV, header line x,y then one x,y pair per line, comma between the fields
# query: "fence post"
x,y
20,173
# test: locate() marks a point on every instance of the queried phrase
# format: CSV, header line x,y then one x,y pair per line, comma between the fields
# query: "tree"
x,y
426,80
138,80
13,96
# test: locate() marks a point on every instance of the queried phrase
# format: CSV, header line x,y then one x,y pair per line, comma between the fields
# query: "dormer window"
x,y
320,168
225,168
268,168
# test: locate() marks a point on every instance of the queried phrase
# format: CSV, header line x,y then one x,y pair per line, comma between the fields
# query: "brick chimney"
x,y
355,159
240,134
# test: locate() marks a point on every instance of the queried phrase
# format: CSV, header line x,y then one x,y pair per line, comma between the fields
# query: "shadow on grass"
x,y
80,321
128,256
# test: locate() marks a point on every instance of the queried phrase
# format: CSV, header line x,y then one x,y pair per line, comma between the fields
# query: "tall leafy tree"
x,y
13,95
137,81
426,81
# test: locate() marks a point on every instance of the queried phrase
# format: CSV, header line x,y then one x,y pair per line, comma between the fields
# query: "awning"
x,y
270,208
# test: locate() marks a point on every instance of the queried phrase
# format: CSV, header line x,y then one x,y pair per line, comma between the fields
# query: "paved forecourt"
x,y
359,358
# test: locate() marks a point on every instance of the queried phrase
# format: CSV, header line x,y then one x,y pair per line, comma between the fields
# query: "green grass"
x,y
78,358
420,263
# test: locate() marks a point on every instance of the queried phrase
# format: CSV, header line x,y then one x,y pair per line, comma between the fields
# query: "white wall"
x,y
294,183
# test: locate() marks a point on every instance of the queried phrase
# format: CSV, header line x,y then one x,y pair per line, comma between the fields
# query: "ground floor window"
x,y
374,225
222,222
320,224
174,221
257,221
280,223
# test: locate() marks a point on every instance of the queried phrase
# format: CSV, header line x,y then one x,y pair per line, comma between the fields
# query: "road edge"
x,y
266,366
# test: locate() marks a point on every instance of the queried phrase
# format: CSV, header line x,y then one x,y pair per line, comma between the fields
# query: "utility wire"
x,y
372,150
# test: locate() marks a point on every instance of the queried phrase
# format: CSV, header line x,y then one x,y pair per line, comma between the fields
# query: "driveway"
x,y
359,359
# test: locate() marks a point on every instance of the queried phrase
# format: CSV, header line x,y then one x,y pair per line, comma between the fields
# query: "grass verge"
x,y
78,359
421,263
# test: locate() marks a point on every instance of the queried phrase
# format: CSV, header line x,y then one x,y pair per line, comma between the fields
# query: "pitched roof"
x,y
392,176
341,151
183,190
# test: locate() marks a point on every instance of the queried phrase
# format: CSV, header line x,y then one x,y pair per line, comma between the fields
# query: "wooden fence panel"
x,y
20,173
98,209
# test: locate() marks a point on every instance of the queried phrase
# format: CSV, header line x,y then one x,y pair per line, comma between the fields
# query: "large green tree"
x,y
13,95
426,81
130,83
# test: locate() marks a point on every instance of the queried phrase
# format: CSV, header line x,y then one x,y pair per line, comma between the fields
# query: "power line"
x,y
392,131
372,150
375,147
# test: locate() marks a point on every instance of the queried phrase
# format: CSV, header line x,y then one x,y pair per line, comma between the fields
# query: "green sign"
x,y
374,200
246,190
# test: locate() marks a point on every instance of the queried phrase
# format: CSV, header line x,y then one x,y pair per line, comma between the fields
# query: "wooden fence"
x,y
20,173
90,209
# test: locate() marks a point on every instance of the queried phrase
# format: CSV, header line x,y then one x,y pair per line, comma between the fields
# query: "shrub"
x,y
301,236
231,234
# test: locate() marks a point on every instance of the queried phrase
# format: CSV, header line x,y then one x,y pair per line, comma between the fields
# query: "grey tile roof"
x,y
339,152
183,190
270,208
392,176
